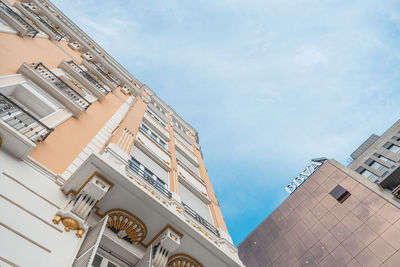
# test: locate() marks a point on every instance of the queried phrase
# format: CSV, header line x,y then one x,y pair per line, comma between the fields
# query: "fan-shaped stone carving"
x,y
126,225
183,260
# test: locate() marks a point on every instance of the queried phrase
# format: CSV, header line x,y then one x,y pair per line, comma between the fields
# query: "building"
x,y
95,169
378,159
335,217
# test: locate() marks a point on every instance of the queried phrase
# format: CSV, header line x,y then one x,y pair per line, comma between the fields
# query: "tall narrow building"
x,y
95,169
378,159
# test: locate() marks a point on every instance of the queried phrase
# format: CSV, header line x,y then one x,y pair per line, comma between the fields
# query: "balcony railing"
x,y
22,121
201,220
89,77
61,85
30,31
149,179
104,72
58,35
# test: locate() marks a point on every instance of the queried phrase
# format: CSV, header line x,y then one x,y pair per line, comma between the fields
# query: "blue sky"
x,y
268,84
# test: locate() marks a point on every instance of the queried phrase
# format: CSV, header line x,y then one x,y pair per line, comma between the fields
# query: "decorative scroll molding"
x,y
183,260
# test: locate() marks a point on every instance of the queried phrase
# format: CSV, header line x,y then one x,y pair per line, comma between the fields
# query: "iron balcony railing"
x,y
61,85
149,179
31,31
201,220
89,77
58,35
22,121
105,73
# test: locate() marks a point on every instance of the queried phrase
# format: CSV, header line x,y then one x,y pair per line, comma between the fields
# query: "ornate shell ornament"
x,y
126,225
183,260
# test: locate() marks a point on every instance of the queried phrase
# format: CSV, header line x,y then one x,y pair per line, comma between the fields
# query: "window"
x,y
369,175
392,147
161,182
162,143
100,261
144,128
153,136
395,149
379,167
97,260
135,163
396,138
339,193
386,159
156,118
195,203
139,168
31,98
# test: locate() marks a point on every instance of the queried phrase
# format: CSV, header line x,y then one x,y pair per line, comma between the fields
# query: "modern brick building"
x,y
95,169
336,217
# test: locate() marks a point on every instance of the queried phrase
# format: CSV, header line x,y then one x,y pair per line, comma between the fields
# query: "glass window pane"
x,y
395,149
144,128
97,260
379,167
386,159
160,182
370,176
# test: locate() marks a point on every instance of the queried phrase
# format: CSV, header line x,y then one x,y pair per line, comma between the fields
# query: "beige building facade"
x,y
95,169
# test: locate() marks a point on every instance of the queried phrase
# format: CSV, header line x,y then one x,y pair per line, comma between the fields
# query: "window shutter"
x,y
89,246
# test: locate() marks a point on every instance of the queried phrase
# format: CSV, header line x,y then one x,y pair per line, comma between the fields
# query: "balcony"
x,y
133,193
96,87
56,87
51,30
19,130
16,21
100,71
20,119
160,188
201,220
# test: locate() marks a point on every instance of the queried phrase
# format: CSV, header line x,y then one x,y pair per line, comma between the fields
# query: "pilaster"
x,y
124,137
173,174
214,204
